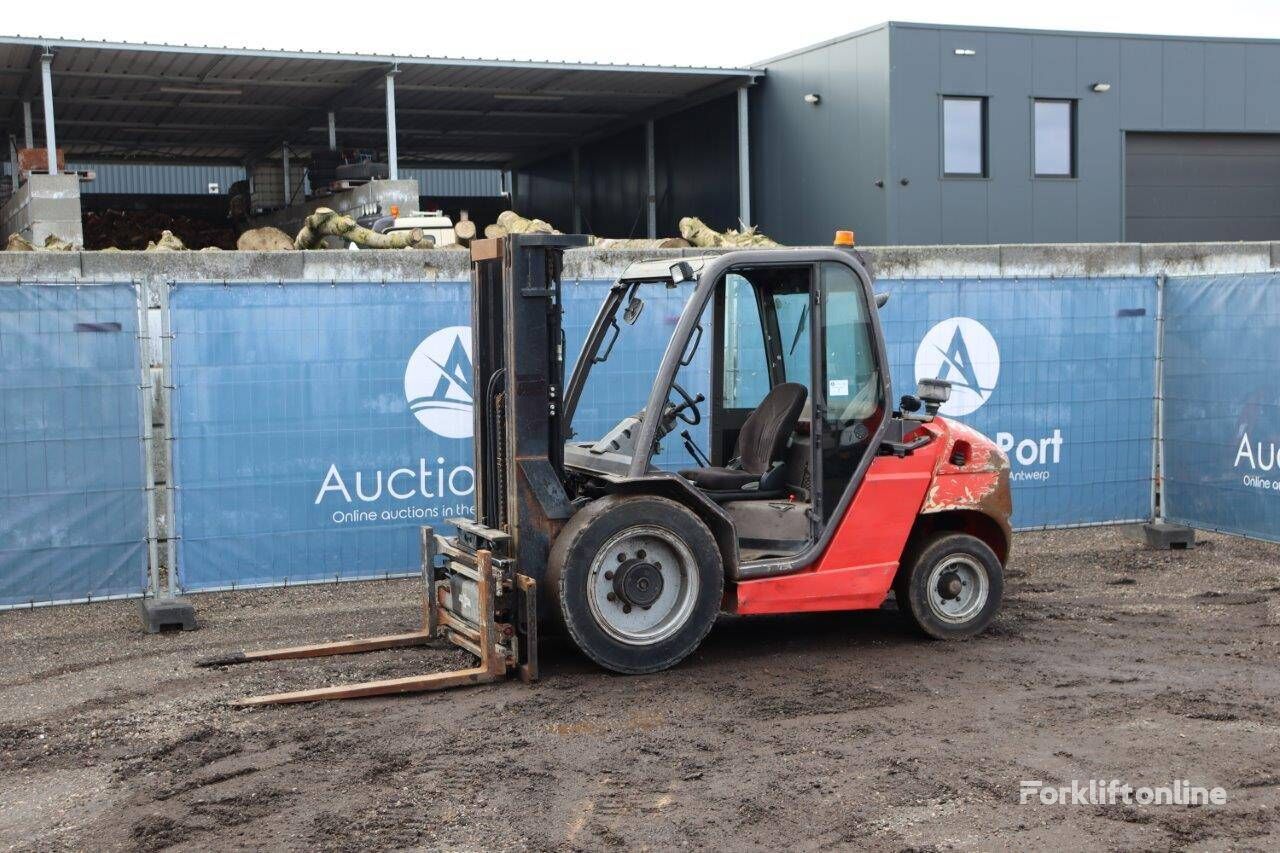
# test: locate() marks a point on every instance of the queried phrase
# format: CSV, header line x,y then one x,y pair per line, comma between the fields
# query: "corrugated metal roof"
x,y
170,103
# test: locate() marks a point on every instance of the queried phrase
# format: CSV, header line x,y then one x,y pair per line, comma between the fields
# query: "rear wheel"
x,y
951,586
637,580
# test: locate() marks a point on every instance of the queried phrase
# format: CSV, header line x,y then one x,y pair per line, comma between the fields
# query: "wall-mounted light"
x,y
813,99
1101,87
965,51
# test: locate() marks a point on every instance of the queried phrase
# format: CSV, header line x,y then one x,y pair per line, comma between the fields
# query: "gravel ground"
x,y
829,731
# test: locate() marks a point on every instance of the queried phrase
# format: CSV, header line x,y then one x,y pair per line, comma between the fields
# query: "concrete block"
x,y
40,267
167,614
935,261
161,267
389,266
1070,260
1163,536
607,264
1205,258
66,230
42,206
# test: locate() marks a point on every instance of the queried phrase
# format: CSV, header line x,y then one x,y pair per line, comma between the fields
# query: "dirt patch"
x,y
815,732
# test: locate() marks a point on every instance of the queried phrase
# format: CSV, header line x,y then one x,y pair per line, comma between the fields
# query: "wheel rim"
x,y
643,585
958,588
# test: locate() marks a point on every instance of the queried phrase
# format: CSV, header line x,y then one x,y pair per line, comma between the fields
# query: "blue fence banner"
x,y
1222,403
1060,373
72,495
315,427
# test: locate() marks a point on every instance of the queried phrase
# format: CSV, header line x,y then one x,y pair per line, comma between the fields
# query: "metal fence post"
x,y
1159,533
1157,450
166,390
166,610
146,404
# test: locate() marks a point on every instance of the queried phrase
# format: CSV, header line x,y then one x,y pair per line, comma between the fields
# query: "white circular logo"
x,y
961,351
437,382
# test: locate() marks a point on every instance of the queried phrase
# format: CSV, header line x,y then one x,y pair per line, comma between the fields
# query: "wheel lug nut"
x,y
611,597
640,553
626,608
608,576
622,558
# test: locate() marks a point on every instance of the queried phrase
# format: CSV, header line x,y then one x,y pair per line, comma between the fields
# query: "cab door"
x,y
850,384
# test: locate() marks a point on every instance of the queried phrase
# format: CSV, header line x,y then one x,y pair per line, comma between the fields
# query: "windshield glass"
x,y
618,386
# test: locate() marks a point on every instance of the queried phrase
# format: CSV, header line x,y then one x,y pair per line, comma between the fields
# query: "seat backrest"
x,y
767,429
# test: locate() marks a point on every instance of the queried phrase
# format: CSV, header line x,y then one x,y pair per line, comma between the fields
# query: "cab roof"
x,y
660,269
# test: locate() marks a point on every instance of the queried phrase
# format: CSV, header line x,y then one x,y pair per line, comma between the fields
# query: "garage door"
x,y
1201,186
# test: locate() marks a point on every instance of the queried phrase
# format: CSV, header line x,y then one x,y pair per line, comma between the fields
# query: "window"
x,y
792,310
745,380
1055,138
853,391
964,137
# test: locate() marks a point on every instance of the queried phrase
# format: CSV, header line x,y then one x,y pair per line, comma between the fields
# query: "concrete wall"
x,y
1086,259
814,168
44,206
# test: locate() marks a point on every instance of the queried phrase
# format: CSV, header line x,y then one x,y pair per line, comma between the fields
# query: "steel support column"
x,y
393,169
651,181
28,130
576,155
50,138
744,159
284,166
333,132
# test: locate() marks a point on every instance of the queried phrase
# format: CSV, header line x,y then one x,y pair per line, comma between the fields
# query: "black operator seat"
x,y
761,443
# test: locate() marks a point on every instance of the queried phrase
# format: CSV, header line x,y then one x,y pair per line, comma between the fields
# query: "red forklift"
x,y
814,491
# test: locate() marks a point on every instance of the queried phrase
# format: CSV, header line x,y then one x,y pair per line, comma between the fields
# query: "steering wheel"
x,y
687,409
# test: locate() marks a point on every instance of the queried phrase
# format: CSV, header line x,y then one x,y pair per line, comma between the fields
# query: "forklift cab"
x,y
788,350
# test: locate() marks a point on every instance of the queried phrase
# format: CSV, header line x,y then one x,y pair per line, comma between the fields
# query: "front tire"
x,y
637,582
950,587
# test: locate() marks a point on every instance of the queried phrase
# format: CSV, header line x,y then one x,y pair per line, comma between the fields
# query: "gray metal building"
x,y
923,134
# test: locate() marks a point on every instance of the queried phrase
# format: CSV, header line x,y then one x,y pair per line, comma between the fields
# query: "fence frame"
x,y
144,424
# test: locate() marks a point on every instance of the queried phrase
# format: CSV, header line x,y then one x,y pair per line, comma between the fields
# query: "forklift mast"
x,y
518,374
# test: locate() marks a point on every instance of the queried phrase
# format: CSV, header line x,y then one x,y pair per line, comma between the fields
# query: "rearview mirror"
x,y
635,307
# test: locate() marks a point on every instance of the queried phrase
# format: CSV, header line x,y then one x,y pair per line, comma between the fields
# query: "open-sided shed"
x,y
144,103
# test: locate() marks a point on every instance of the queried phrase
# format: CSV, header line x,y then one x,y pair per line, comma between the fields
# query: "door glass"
x,y
854,394
746,369
793,330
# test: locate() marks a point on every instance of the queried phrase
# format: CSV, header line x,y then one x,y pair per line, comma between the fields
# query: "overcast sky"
x,y
651,32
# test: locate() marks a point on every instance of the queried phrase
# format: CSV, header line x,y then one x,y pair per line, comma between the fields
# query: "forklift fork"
x,y
495,643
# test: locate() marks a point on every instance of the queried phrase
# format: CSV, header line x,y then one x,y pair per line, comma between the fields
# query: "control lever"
x,y
694,450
